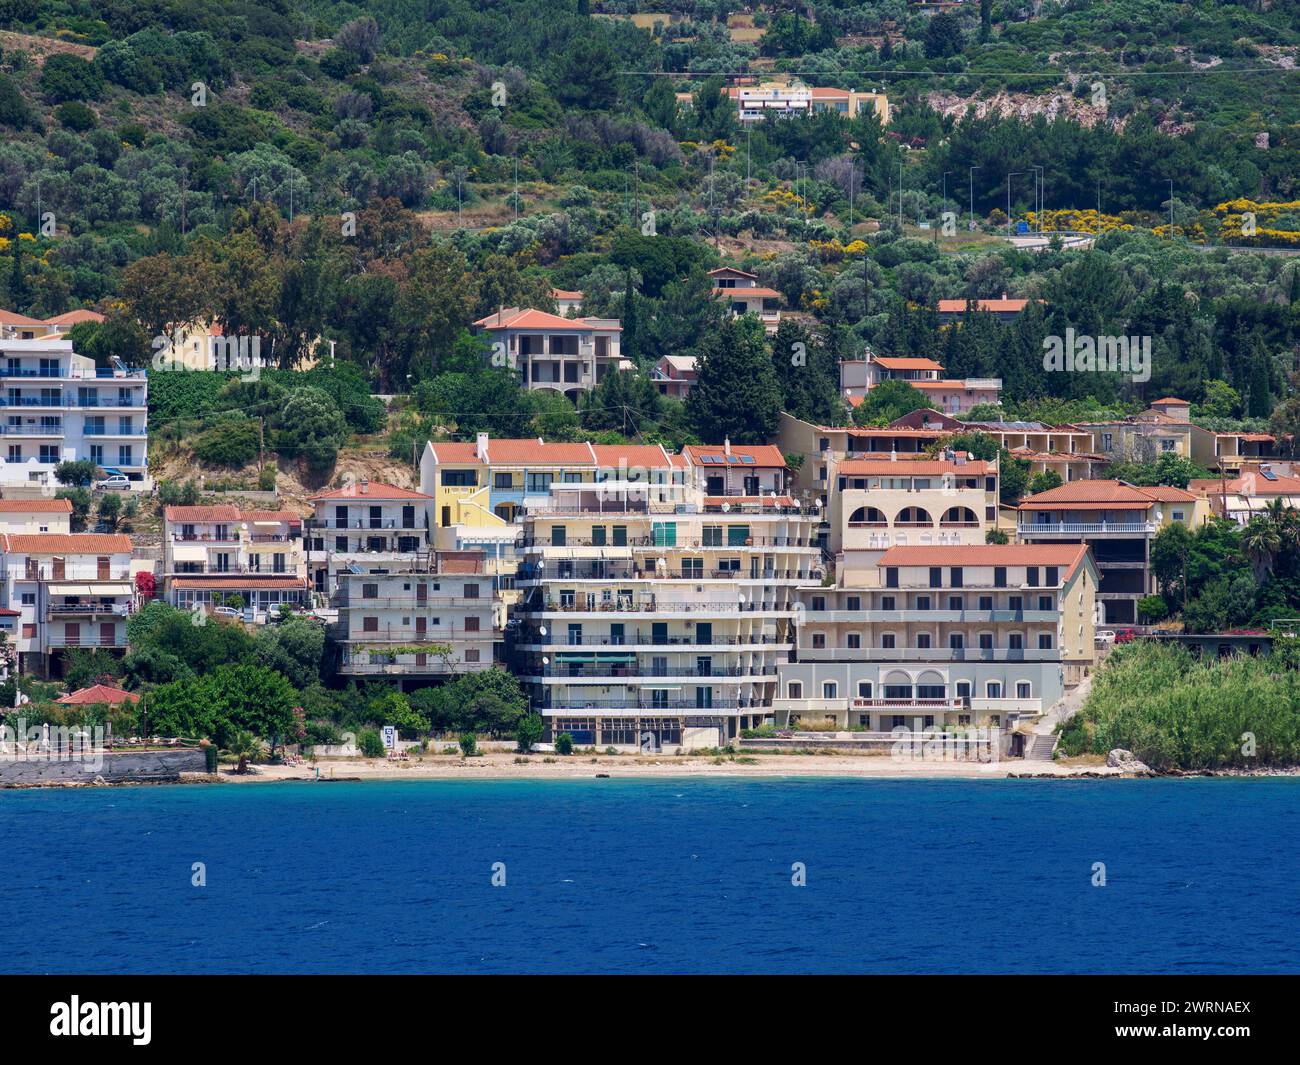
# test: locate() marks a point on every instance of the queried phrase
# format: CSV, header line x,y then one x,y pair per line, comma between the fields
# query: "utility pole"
x,y
1171,212
1014,173
516,188
185,186
944,208
972,194
900,196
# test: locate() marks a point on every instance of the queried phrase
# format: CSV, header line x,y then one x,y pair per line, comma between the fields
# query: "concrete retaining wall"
x,y
116,769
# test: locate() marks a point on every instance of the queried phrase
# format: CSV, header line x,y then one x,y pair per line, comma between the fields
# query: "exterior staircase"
x,y
1040,748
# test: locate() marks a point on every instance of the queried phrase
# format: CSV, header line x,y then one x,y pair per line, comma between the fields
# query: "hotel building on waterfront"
x,y
656,611
955,635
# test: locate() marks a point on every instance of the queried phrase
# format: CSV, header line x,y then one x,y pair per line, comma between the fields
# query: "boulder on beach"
x,y
1126,762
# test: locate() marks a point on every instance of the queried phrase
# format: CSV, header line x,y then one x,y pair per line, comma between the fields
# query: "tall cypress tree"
x,y
737,394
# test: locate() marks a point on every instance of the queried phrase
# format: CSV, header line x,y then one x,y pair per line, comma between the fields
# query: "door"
x,y
72,633
59,568
421,594
703,698
659,632
704,632
421,626
101,567
107,634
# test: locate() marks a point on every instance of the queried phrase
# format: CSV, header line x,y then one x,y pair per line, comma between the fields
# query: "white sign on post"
x,y
390,737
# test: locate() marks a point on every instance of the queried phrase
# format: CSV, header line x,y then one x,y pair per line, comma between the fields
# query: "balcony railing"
x,y
537,642
59,639
638,673
1129,528
98,373
680,542
32,430
121,430
70,401
627,607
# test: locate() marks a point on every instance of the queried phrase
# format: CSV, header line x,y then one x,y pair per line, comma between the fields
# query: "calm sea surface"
x,y
655,876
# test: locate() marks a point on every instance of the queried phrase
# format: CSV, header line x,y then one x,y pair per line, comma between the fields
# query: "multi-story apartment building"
x,y
875,504
951,396
70,590
1118,521
567,355
972,634
744,295
364,526
35,516
59,406
222,555
657,608
432,618
1249,493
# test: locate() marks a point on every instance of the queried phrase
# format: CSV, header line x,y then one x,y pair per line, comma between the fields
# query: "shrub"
x,y
468,744
564,743
231,443
1152,608
370,744
529,732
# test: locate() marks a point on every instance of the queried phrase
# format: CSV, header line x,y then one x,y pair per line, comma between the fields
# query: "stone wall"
x,y
117,768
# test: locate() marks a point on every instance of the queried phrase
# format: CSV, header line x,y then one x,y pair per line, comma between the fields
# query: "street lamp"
x,y
1040,189
1014,173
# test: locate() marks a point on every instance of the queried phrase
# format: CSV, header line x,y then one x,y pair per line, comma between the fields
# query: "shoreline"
x,y
509,766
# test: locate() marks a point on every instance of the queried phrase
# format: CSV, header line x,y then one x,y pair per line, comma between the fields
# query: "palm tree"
x,y
1286,520
244,746
1262,540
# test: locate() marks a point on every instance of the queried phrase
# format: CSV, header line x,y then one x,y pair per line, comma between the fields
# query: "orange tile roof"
x,y
35,506
909,467
372,490
220,512
566,294
14,318
999,305
1170,400
891,363
75,317
527,318
1166,493
68,543
1090,495
755,291
632,455
538,452
247,581
1251,484
1066,555
765,455
98,693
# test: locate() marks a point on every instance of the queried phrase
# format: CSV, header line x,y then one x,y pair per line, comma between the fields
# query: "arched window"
x,y
959,516
914,516
867,516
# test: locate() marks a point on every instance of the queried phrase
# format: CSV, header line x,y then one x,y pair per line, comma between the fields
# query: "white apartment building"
x,y
656,611
58,406
567,355
419,623
69,590
973,634
365,526
224,556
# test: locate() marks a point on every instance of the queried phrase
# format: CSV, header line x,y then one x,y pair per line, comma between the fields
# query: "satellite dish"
x,y
818,504
541,629
726,508
545,661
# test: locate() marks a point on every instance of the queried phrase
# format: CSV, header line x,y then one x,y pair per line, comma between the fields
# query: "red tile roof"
x,y
14,318
566,294
98,693
1091,495
763,455
754,292
243,582
1003,305
35,506
526,318
369,490
68,543
1068,556
641,456
538,452
220,512
75,317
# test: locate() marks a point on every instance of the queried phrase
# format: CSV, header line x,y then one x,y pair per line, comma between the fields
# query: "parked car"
x,y
227,612
115,482
1105,637
1125,635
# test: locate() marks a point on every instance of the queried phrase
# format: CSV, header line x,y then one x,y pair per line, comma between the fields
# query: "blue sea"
x,y
654,876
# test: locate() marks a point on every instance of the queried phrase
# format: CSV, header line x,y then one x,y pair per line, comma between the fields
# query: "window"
x,y
471,655
954,577
986,602
993,689
887,640
737,535
931,691
1023,689
1015,603
693,568
620,535
936,577
538,482
369,624
1016,641
955,602
558,535
986,641
1031,576
1044,641
854,603
1052,574
664,533
712,535
956,641
503,480
471,624
922,602
794,690
829,688
886,602
923,640
891,576
598,536
854,640
1178,515
818,640
471,591
864,689
462,478
819,602
49,452
999,576
370,591
1044,602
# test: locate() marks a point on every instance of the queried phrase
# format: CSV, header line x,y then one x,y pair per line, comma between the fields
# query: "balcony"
x,y
1086,528
71,401
117,610
928,654
121,430
60,639
637,673
535,642
97,373
32,430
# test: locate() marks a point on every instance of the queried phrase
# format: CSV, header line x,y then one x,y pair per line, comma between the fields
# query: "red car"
x,y
1125,635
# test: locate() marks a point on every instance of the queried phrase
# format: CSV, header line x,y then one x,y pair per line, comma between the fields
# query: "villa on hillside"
x,y
859,376
744,295
566,355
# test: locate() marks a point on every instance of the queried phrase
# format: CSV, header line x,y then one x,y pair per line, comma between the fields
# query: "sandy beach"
x,y
506,766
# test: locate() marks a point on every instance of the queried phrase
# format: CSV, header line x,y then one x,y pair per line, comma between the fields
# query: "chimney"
x,y
365,486
893,453
481,447
726,446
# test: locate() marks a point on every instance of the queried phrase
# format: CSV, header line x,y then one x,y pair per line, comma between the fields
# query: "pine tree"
x,y
737,394
630,345
20,292
1260,403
